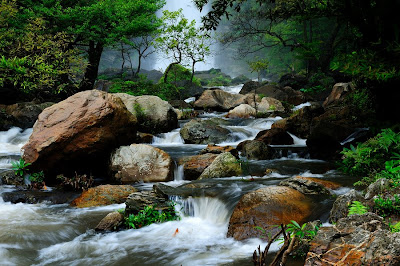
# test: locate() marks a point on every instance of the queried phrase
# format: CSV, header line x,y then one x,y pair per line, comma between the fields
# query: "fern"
x,y
357,207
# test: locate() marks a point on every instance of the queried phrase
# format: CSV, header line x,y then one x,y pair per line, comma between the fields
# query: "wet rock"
x,y
111,222
193,189
224,165
141,163
275,136
39,196
299,123
328,130
242,111
203,132
154,115
103,195
218,100
144,137
294,97
340,208
339,91
255,150
79,133
180,104
249,86
137,201
355,240
10,178
376,188
211,148
295,81
269,104
194,166
267,207
310,185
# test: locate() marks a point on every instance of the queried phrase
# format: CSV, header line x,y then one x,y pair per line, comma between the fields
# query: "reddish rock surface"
x,y
193,166
79,133
103,195
267,207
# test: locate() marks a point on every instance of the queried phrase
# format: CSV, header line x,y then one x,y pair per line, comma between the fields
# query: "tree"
x,y
182,41
143,46
258,66
34,60
98,24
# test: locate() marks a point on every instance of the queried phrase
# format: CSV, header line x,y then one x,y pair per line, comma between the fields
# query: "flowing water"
x,y
48,234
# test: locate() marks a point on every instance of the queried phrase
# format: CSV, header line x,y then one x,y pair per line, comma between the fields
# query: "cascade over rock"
x,y
154,115
267,207
275,136
141,163
79,133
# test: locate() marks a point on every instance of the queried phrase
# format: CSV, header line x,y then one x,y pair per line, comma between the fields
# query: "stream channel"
x,y
49,234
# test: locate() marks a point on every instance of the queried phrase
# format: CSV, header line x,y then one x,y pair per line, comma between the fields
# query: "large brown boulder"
x,y
218,100
194,166
310,185
266,208
328,130
269,104
79,133
103,195
220,149
299,123
141,163
154,115
249,86
199,131
355,240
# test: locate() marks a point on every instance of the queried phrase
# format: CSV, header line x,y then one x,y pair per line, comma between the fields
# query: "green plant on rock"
x,y
37,177
394,228
357,207
150,215
370,159
387,206
20,167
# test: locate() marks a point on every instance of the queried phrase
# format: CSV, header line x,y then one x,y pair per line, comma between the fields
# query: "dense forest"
x,y
269,124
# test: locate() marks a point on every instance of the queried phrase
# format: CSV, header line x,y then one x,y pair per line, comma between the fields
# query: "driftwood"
x,y
260,258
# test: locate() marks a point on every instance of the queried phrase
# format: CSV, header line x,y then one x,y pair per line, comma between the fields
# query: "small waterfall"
x,y
178,173
170,138
209,209
298,107
298,141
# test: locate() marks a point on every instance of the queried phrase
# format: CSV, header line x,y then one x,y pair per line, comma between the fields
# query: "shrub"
x,y
370,158
20,167
387,206
150,215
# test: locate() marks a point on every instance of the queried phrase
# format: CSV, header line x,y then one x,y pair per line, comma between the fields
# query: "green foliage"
x,y
387,206
150,215
20,167
37,177
357,207
33,60
314,89
259,65
367,64
394,228
219,80
361,101
301,232
370,159
179,73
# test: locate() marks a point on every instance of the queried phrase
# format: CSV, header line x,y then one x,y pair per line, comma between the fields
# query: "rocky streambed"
x,y
222,194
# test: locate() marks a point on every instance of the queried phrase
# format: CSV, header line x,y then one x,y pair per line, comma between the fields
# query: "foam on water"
x,y
170,138
11,141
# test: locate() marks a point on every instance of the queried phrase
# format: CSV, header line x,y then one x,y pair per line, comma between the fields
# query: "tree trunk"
x,y
191,78
139,64
92,69
123,58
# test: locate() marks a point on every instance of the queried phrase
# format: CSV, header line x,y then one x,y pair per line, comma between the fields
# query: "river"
x,y
48,234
